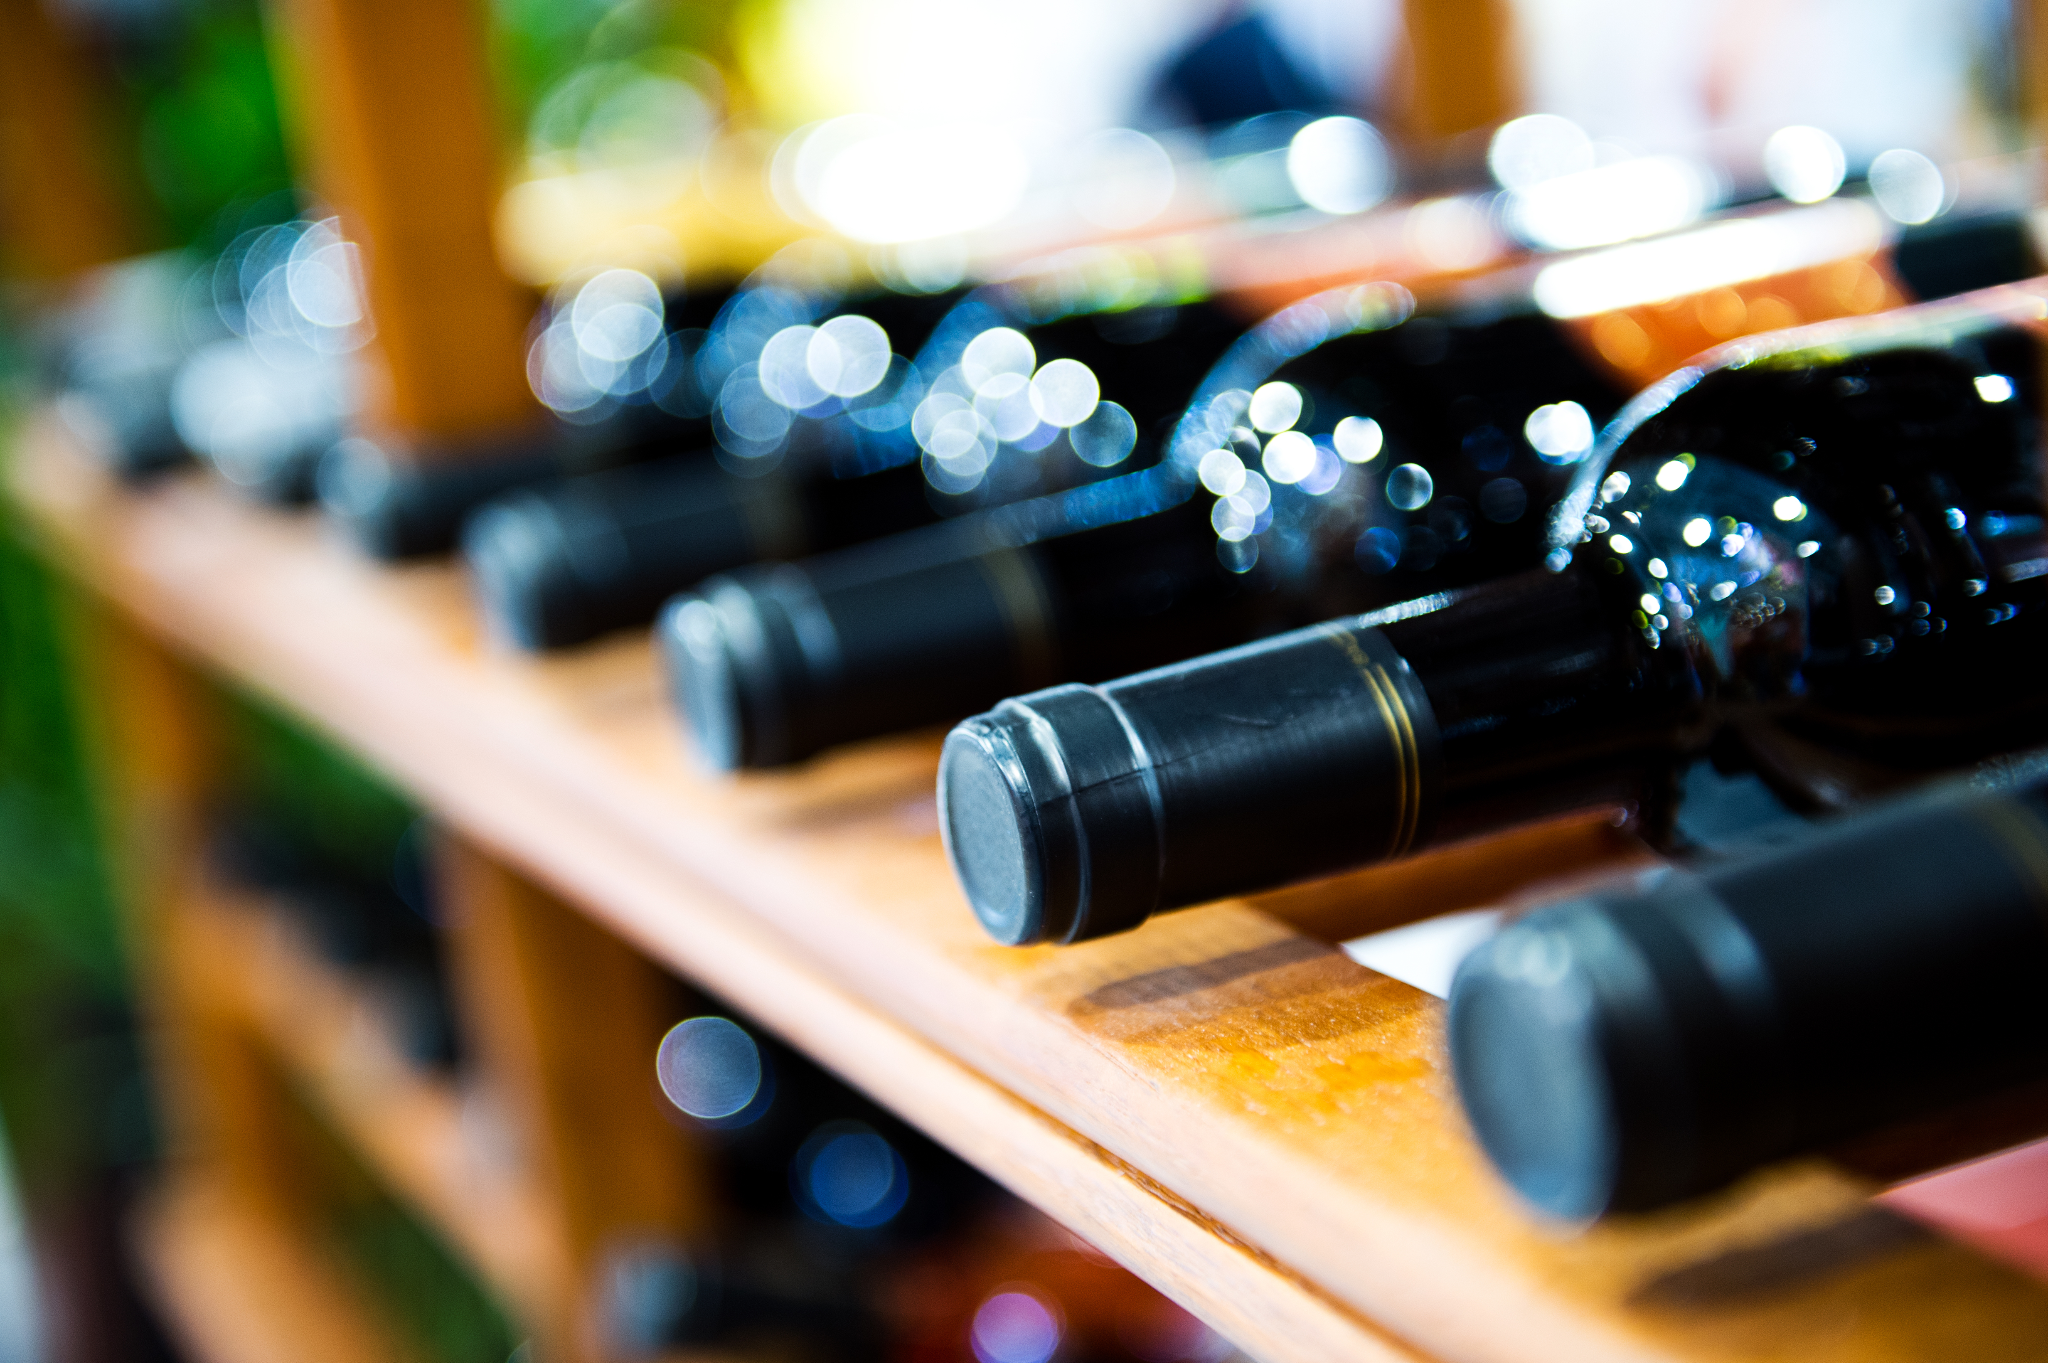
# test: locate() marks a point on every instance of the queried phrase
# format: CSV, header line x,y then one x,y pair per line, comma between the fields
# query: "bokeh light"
x,y
709,1067
1561,432
1804,164
1908,186
1016,1326
849,1175
1339,165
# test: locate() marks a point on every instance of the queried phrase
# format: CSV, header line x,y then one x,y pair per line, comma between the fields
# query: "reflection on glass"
x,y
1339,165
262,404
1529,150
1908,186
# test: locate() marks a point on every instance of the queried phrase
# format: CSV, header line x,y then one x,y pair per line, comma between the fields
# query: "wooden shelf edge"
x,y
324,1030
238,1287
1170,1047
405,1125
1258,1303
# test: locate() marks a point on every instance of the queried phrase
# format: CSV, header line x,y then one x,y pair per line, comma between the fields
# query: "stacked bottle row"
x,y
1459,576
1815,558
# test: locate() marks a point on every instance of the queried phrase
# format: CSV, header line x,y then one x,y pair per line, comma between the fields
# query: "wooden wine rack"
x,y
1222,1100
1227,1104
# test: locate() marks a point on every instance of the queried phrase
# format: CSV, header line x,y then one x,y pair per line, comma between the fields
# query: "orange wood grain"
x,y
1462,75
565,1019
1232,1072
327,1032
239,1287
394,109
59,208
1540,858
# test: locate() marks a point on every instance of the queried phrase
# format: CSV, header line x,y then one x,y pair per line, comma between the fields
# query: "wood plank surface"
x,y
238,1287
396,125
558,1018
327,1033
1243,1115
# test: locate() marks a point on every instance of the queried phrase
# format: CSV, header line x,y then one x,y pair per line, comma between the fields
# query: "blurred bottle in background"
x,y
849,1235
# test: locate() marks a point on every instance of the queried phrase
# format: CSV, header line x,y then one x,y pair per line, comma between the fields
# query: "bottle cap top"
x,y
1526,1049
520,567
990,829
1050,813
729,674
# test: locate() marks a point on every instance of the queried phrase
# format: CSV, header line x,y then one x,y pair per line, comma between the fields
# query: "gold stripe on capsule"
x,y
1411,760
1387,717
1400,731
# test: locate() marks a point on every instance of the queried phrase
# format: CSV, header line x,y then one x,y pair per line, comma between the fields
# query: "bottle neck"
x,y
1545,696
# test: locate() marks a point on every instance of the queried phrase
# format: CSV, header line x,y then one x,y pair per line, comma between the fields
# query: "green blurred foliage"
x,y
70,1076
347,816
536,44
190,108
207,120
422,1289
419,1283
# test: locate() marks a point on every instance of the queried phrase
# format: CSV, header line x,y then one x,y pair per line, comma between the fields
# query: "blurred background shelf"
x,y
330,1035
1257,1124
238,1287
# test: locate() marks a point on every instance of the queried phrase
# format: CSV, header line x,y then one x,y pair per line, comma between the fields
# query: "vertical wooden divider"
x,y
150,736
564,1020
1462,73
2030,40
394,109
59,210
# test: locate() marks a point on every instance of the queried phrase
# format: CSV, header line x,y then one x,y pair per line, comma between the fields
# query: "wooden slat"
x,y
563,1020
394,113
59,209
327,1033
1232,1072
1462,67
239,1287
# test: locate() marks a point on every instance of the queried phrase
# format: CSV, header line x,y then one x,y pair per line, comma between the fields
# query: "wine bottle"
x,y
611,361
1409,461
1660,1037
114,353
657,1296
559,564
803,470
566,560
1837,529
774,1122
1145,567
375,928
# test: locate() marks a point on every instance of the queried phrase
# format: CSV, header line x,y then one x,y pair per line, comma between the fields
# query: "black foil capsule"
x,y
1658,1039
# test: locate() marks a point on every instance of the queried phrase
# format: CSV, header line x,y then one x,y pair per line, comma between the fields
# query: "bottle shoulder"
x,y
1836,527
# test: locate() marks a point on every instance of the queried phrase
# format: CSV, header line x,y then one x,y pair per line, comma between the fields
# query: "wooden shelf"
x,y
236,1287
1253,1122
326,1031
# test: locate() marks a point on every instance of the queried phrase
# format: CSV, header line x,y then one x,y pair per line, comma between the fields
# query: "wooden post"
x,y
394,113
59,211
1461,74
2030,40
565,1020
